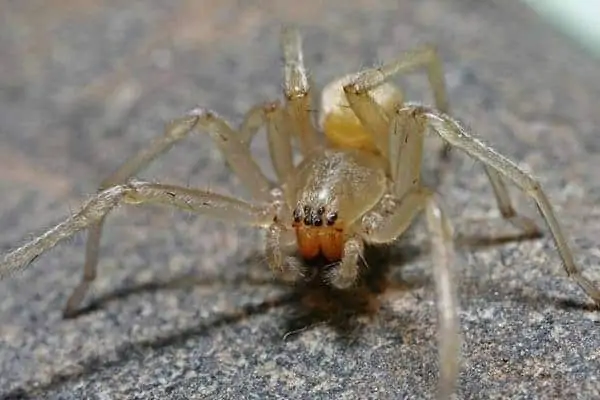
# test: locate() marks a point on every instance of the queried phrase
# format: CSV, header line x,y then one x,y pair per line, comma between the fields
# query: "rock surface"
x,y
183,306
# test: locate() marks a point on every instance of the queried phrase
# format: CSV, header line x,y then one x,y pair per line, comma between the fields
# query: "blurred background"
x,y
579,19
74,71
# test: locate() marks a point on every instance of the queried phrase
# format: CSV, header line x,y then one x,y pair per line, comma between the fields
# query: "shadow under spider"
x,y
318,302
312,303
132,351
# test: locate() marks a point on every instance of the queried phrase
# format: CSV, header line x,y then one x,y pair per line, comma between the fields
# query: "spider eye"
x,y
321,210
331,218
297,215
317,221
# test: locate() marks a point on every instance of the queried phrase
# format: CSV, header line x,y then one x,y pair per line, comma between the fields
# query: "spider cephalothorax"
x,y
361,186
327,202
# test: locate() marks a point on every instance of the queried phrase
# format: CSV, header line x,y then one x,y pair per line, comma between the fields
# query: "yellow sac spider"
x,y
362,186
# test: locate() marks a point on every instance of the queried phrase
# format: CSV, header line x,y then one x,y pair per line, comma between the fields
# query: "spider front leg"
x,y
278,126
384,227
297,91
345,273
454,133
526,225
373,116
284,266
137,192
234,151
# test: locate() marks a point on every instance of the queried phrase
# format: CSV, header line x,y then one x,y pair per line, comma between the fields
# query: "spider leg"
x,y
134,192
383,229
449,332
237,155
278,126
344,275
454,133
406,137
386,223
365,108
405,153
508,212
254,119
297,90
280,142
284,266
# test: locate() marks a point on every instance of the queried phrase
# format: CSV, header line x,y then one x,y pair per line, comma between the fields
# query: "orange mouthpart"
x,y
327,241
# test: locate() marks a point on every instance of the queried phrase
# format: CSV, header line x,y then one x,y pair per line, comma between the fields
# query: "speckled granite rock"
x,y
181,308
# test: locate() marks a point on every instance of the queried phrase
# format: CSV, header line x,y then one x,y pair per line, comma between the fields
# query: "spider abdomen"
x,y
339,123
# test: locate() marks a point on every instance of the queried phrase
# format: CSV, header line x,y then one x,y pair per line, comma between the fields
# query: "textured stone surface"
x,y
179,308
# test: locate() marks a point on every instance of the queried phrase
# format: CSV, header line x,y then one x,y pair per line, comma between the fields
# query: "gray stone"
x,y
183,306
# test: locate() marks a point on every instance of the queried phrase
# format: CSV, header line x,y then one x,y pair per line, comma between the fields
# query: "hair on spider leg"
x,y
305,328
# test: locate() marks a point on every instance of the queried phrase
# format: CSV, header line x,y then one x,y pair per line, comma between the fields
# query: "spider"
x,y
359,183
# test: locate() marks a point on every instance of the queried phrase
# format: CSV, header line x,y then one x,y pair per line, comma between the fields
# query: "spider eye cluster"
x,y
315,216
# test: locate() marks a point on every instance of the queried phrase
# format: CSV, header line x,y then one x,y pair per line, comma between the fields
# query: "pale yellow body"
x,y
340,124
